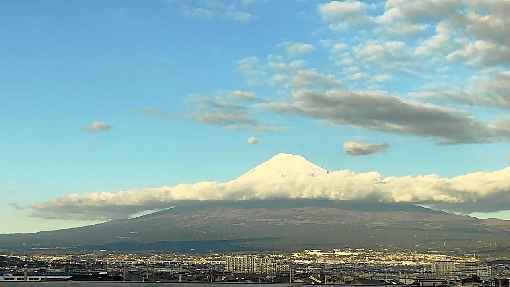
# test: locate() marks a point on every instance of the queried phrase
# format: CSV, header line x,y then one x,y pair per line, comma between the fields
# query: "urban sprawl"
x,y
308,267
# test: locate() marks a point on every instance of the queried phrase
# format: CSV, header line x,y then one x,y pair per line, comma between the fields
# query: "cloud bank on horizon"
x,y
288,176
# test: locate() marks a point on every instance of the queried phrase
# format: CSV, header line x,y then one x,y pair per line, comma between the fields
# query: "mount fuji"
x,y
282,210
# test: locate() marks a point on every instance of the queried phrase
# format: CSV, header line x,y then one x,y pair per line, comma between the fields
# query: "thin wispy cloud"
x,y
234,110
97,127
243,95
235,11
296,49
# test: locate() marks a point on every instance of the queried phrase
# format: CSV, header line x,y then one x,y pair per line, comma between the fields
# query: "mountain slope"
x,y
278,224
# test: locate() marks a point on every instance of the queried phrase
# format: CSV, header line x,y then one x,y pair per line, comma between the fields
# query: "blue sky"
x,y
106,96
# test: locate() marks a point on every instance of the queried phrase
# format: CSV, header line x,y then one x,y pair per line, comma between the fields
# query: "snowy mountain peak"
x,y
284,165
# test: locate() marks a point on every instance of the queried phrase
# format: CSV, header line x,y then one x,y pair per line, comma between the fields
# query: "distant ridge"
x,y
281,224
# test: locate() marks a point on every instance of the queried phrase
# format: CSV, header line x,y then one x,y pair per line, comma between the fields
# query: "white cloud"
x,y
403,29
252,140
474,32
386,53
437,43
417,11
248,63
297,49
98,126
339,10
357,148
289,176
286,74
482,53
342,14
309,78
488,20
386,56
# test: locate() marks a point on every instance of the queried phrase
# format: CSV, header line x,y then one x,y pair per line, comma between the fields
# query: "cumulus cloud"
x,y
440,42
491,90
368,60
419,11
482,53
292,177
403,29
97,126
357,148
339,10
473,32
382,112
287,74
297,49
487,20
313,79
389,54
458,32
342,14
252,140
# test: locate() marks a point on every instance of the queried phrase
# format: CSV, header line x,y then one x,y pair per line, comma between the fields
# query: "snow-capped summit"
x,y
283,165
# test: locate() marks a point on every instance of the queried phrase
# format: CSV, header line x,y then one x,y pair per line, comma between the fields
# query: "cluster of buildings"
x,y
346,266
256,264
455,270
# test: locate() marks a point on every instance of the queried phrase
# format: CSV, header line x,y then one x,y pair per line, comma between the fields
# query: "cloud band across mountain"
x,y
292,177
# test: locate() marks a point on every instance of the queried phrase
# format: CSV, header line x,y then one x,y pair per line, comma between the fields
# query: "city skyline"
x,y
104,97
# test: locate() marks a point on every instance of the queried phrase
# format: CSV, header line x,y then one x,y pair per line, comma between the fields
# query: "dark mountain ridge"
x,y
278,224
